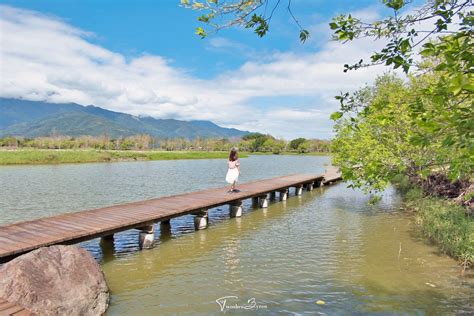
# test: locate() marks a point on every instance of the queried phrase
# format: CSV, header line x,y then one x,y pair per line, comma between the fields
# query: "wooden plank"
x,y
15,242
21,231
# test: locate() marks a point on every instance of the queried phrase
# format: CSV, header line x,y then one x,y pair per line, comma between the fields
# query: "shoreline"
x,y
26,156
441,220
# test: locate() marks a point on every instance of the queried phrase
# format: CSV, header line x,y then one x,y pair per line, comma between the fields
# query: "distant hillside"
x,y
34,119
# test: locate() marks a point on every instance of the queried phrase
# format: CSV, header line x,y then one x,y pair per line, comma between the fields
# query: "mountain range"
x,y
35,118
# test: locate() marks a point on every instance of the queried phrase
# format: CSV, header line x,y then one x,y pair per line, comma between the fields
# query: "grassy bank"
x,y
291,153
35,156
448,225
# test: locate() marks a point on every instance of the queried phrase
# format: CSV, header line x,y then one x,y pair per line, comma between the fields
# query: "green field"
x,y
36,156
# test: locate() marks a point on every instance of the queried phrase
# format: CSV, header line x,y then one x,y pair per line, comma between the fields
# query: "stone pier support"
x,y
146,236
309,186
165,230
263,201
318,183
108,238
107,246
201,220
235,209
272,195
299,190
283,195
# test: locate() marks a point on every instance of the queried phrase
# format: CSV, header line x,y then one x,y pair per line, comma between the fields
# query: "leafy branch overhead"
x,y
401,30
251,14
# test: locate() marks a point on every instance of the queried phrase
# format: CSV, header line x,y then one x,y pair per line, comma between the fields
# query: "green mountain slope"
x,y
34,119
71,124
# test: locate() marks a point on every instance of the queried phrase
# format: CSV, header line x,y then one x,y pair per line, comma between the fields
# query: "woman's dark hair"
x,y
233,155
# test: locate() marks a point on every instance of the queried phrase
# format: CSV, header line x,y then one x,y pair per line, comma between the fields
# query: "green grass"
x,y
291,153
36,156
446,224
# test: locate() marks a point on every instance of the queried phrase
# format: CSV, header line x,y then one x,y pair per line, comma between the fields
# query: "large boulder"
x,y
56,280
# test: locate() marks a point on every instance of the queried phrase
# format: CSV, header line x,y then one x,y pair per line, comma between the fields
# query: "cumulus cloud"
x,y
44,58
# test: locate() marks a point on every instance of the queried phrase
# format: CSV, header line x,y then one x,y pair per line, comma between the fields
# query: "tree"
x,y
273,145
383,136
304,147
295,143
256,140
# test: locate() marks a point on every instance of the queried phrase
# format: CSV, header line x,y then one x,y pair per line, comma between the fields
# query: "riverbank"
x,y
292,153
55,156
58,156
442,220
446,224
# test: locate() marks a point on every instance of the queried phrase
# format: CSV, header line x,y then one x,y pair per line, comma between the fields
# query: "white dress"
x,y
233,172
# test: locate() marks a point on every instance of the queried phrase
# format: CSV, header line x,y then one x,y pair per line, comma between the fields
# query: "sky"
x,y
142,57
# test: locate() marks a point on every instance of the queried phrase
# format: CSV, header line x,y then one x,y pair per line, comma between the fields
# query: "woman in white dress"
x,y
234,169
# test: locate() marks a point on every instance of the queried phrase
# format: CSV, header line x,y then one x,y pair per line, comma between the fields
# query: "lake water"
x,y
328,245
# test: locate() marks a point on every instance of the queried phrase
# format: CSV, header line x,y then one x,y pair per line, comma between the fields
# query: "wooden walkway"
x,y
8,308
19,238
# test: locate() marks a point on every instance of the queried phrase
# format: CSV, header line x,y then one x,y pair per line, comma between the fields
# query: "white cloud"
x,y
44,58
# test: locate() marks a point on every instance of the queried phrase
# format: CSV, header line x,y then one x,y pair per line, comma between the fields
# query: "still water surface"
x,y
327,245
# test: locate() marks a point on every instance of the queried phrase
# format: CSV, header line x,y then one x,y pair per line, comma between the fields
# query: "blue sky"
x,y
142,57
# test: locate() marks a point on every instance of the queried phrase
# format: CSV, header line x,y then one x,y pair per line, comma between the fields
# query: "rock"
x,y
56,280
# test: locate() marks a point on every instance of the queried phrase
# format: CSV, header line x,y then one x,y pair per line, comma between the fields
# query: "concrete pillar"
x,y
283,195
108,238
200,220
146,236
263,201
318,183
272,195
299,190
107,247
309,186
165,230
235,209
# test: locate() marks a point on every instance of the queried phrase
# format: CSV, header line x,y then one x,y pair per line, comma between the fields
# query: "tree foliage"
x,y
402,30
399,127
254,142
251,14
